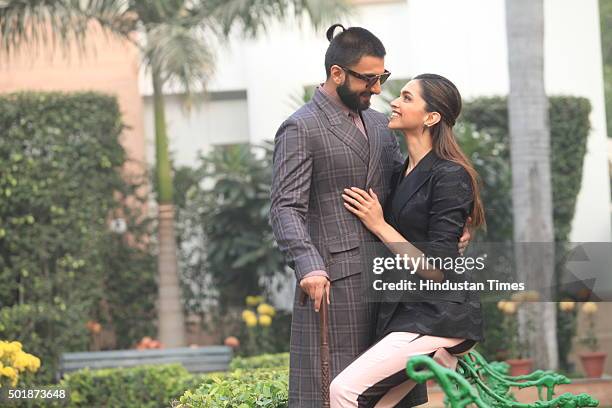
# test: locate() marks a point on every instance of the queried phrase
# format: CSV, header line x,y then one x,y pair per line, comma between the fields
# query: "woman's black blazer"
x,y
429,207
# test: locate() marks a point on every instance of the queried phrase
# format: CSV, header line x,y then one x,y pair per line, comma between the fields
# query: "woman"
x,y
433,198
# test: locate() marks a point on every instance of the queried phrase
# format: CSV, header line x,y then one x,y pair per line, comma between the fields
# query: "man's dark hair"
x,y
347,48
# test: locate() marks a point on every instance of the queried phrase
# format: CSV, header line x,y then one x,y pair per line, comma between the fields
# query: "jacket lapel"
x,y
409,185
375,149
342,127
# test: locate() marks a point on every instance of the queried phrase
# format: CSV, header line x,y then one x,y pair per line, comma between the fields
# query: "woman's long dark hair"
x,y
442,96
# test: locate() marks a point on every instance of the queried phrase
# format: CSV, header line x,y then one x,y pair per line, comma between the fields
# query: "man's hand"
x,y
313,287
464,241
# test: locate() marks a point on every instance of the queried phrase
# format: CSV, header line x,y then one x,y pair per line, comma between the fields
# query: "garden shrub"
x,y
253,381
268,387
60,265
227,249
569,130
260,361
229,242
133,387
151,386
488,144
137,387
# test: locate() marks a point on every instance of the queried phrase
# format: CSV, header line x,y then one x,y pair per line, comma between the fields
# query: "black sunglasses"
x,y
371,79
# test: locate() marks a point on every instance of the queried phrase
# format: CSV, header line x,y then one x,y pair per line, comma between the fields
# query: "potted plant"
x,y
520,363
592,360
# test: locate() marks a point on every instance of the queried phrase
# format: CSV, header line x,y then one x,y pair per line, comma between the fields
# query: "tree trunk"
x,y
171,325
531,180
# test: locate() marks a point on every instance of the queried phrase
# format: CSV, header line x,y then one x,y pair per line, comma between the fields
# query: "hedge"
x,y
569,130
60,265
490,152
137,387
261,379
260,361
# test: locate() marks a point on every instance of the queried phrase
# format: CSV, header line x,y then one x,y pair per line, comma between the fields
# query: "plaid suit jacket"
x,y
318,152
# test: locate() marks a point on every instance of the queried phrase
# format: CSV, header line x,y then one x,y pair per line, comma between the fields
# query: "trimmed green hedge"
x,y
260,361
261,379
137,387
60,265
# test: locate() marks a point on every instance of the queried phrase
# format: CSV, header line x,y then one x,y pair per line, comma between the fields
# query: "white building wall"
x,y
218,119
573,66
463,40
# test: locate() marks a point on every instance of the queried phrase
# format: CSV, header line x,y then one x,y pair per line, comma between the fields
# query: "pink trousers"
x,y
377,378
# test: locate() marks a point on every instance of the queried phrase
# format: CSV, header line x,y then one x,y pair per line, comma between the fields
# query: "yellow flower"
x,y
265,320
10,373
251,321
17,360
509,308
254,300
24,361
9,350
266,309
16,346
589,308
248,315
20,361
34,364
567,305
501,305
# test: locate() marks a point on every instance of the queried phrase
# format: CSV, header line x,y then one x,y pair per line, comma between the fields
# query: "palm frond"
x,y
30,24
117,17
180,54
252,16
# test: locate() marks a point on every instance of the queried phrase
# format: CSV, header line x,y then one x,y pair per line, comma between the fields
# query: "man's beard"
x,y
352,99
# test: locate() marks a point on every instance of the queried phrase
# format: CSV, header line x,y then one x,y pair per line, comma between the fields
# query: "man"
x,y
333,142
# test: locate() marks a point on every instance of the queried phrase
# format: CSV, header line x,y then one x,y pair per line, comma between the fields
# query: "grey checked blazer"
x,y
318,152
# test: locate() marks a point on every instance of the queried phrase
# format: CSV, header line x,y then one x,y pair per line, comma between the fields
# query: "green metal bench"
x,y
488,385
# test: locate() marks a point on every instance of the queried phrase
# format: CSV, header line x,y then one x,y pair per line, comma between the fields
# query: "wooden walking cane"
x,y
324,347
324,351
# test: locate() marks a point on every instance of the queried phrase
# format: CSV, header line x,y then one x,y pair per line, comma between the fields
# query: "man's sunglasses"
x,y
371,79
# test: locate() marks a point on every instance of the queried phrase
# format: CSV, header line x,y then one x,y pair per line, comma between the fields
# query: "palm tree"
x,y
530,160
171,35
